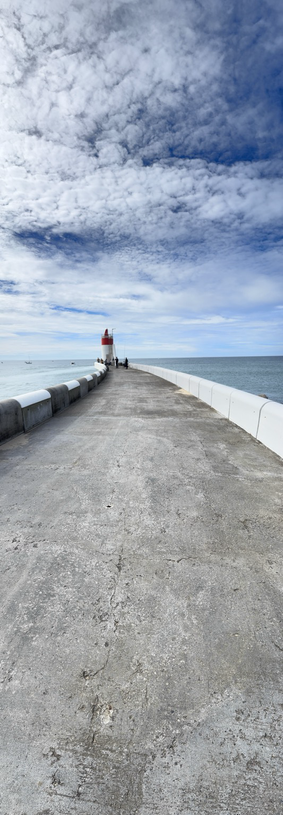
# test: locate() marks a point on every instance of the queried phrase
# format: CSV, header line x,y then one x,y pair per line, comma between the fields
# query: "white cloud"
x,y
127,182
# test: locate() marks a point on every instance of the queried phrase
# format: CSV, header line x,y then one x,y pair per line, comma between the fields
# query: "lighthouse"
x,y
107,347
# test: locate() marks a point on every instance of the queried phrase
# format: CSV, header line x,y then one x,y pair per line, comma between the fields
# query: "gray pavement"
x,y
141,645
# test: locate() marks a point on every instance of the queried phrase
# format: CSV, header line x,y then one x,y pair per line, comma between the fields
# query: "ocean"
x,y
20,377
253,374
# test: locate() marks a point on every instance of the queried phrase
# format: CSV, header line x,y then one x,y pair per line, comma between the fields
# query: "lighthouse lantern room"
x,y
107,347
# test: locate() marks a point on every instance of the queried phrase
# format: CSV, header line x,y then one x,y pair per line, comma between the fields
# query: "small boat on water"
x,y
28,363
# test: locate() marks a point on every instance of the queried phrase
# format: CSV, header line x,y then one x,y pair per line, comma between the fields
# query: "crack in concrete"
x,y
277,646
178,560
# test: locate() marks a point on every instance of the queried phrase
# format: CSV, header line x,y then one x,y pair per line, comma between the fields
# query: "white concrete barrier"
x,y
36,407
32,398
160,372
101,367
245,410
194,385
90,381
72,384
270,429
171,376
205,390
220,399
260,417
183,381
74,389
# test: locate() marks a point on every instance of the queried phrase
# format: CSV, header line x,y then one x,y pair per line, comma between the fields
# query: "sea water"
x,y
22,377
260,375
253,374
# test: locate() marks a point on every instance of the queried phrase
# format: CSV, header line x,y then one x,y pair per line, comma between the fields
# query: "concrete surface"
x,y
242,408
142,644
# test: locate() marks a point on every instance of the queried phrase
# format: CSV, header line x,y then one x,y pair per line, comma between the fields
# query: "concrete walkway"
x,y
141,637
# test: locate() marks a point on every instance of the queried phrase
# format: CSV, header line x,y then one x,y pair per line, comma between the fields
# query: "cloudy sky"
x,y
141,167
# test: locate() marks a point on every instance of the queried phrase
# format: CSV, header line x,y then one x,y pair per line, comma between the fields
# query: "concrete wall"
x,y
59,397
220,399
245,409
27,410
270,428
83,386
258,416
100,367
73,386
11,419
36,408
194,385
205,390
90,381
183,381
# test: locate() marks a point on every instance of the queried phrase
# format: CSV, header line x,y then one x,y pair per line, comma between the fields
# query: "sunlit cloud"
x,y
141,176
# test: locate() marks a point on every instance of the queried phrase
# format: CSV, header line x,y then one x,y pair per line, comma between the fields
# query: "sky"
x,y
141,165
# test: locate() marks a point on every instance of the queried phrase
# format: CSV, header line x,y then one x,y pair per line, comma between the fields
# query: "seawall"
x,y
23,412
141,610
260,417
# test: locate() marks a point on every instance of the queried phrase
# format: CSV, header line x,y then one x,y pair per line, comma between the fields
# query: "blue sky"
x,y
141,166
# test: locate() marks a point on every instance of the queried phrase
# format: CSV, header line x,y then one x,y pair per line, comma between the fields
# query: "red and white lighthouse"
x,y
107,346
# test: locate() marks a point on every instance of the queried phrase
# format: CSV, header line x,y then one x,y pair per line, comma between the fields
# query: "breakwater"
x,y
23,412
257,415
253,374
141,604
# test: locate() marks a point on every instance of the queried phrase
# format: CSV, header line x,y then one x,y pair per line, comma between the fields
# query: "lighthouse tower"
x,y
107,346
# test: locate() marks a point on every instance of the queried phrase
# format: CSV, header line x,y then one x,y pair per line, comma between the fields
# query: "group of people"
x,y
104,362
121,363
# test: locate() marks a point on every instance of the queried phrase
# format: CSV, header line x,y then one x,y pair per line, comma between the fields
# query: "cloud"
x,y
141,165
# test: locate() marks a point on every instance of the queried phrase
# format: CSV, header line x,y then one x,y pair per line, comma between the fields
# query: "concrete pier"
x,y
141,596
